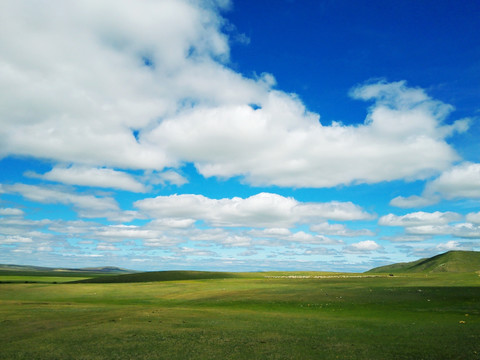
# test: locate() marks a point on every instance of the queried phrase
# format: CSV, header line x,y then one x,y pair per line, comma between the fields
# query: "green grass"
x,y
249,316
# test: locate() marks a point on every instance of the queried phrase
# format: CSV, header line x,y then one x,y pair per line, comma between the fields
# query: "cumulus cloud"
x,y
297,237
106,247
11,212
121,232
171,223
146,85
450,245
466,231
167,177
413,201
96,177
272,232
429,230
90,77
407,238
402,137
461,181
458,182
460,230
16,239
17,225
338,230
363,247
421,224
86,205
261,210
419,218
473,218
186,251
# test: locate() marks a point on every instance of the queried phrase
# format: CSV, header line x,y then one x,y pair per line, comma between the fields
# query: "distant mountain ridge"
x,y
454,261
95,270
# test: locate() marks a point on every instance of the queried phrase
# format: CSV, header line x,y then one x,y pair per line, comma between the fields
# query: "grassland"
x,y
246,316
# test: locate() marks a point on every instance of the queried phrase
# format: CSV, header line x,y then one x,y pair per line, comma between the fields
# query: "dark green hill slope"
x,y
451,261
159,276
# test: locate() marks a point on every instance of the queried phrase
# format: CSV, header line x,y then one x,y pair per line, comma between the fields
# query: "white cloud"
x,y
194,252
419,218
420,224
81,82
162,241
11,212
106,247
406,238
399,139
88,206
319,251
413,201
306,238
466,231
145,85
473,218
437,223
450,245
457,182
167,177
96,177
272,232
17,225
429,230
120,232
16,239
363,247
237,241
286,236
338,230
171,223
461,230
400,111
261,210
461,181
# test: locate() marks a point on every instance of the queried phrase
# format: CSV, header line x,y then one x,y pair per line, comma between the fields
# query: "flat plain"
x,y
305,315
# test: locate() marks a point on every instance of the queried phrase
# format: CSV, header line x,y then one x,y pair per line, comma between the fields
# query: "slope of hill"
x,y
451,261
159,276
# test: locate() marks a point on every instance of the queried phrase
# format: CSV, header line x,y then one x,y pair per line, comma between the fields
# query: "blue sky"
x,y
238,136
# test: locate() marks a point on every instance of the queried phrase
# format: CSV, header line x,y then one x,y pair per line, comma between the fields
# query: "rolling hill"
x,y
159,276
451,261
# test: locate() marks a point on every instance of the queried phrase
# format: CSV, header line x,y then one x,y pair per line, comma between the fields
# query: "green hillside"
x,y
451,261
159,276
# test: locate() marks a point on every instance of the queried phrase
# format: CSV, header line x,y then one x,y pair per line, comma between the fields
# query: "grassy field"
x,y
247,316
